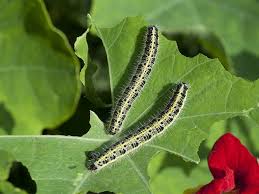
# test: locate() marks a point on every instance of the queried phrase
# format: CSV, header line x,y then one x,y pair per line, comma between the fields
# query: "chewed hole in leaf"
x,y
21,178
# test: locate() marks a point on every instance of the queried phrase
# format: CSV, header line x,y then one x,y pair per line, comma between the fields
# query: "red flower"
x,y
234,168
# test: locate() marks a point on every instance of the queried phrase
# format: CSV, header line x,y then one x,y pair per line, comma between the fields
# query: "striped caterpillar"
x,y
142,135
137,82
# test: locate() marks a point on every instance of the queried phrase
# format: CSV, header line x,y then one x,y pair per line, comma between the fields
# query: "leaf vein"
x,y
118,35
141,176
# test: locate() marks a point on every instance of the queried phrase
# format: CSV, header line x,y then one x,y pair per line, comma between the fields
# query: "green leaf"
x,y
81,50
234,22
180,177
90,76
213,93
212,97
39,82
57,163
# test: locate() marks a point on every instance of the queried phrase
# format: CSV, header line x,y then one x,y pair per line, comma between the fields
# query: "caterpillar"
x,y
142,135
136,83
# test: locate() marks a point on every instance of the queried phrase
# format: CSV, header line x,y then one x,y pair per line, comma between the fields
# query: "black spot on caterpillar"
x,y
137,82
144,134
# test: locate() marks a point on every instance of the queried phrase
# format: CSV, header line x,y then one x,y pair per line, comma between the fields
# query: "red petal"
x,y
219,185
228,152
233,168
252,190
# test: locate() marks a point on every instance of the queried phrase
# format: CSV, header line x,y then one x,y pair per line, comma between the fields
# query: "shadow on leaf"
x,y
6,120
246,65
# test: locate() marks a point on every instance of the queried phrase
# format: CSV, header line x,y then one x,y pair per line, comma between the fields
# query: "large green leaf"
x,y
234,22
57,163
39,82
213,91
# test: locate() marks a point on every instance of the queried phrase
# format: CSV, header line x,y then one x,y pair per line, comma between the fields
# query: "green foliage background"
x,y
46,127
